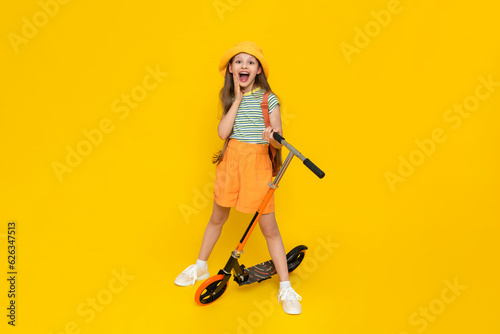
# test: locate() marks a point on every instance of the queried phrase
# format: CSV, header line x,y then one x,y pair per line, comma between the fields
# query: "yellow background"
x,y
124,206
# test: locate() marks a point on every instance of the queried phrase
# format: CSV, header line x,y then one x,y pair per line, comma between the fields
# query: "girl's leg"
x,y
199,271
271,232
212,231
287,296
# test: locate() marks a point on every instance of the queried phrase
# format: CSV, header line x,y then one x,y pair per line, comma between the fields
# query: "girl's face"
x,y
246,67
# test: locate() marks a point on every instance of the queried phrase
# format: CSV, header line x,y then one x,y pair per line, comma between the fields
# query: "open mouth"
x,y
244,76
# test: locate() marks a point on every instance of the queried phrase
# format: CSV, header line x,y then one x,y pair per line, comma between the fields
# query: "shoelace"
x,y
192,271
288,294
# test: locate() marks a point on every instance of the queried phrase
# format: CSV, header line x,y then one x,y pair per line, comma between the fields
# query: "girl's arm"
x,y
227,121
275,120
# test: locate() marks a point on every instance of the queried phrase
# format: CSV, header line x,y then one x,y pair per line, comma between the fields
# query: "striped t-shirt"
x,y
249,122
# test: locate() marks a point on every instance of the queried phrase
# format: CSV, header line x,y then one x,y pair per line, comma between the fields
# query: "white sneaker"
x,y
191,275
290,300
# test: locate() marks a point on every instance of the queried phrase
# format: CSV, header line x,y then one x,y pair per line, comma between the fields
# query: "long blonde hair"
x,y
227,95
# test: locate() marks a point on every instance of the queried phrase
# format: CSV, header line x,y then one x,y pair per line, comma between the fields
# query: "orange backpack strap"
x,y
265,109
265,113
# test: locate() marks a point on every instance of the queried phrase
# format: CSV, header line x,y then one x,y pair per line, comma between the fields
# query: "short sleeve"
x,y
272,100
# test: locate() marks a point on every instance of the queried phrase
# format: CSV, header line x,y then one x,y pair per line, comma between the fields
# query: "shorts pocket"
x,y
263,162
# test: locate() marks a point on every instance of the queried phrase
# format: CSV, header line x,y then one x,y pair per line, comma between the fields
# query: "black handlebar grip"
x,y
319,173
277,137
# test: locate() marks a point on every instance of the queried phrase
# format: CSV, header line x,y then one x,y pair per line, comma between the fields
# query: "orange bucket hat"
x,y
246,47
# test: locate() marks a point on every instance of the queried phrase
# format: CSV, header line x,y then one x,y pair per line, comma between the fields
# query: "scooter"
x,y
214,287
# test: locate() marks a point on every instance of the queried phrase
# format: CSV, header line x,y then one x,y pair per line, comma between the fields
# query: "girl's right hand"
x,y
238,91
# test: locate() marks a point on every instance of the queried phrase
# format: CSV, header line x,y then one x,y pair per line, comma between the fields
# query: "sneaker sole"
x,y
291,312
202,277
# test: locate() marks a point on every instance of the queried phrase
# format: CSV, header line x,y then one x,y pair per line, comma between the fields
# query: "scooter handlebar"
x,y
319,173
277,137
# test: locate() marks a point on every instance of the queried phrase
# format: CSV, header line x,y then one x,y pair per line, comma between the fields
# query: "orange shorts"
x,y
242,177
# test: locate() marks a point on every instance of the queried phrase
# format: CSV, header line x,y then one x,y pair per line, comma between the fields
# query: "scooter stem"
x,y
272,187
283,168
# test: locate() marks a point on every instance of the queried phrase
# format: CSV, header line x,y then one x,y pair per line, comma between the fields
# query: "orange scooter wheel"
x,y
206,292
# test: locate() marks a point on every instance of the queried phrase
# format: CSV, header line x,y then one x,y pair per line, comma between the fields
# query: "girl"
x,y
244,168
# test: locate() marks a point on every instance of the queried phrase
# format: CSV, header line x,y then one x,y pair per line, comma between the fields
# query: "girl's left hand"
x,y
267,135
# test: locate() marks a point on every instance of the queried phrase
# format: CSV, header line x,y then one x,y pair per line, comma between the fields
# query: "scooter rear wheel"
x,y
295,257
205,293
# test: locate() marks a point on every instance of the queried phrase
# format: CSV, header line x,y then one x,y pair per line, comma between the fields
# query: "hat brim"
x,y
246,49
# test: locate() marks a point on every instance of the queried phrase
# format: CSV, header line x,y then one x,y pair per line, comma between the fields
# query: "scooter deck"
x,y
259,272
